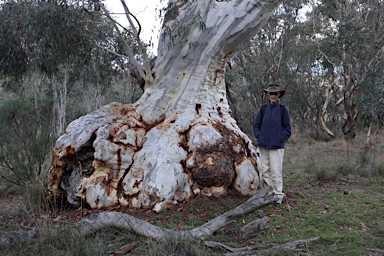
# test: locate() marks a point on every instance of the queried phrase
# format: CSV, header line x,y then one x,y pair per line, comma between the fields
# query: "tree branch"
x,y
143,50
323,112
103,220
16,237
293,246
144,72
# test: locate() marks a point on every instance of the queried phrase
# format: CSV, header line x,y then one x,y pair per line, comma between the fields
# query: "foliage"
x,y
309,48
24,139
70,45
306,47
334,189
44,35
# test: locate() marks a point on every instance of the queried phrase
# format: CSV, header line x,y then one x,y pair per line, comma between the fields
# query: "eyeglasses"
x,y
273,93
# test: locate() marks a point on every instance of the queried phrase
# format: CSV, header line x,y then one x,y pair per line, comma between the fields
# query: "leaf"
x,y
125,249
363,226
57,218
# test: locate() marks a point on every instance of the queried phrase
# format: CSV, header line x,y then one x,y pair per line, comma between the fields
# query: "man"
x,y
272,128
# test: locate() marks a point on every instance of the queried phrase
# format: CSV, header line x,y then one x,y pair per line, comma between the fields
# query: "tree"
x,y
179,139
352,54
60,40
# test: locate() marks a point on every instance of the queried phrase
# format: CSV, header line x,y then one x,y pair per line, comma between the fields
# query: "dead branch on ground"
x,y
103,220
295,246
16,237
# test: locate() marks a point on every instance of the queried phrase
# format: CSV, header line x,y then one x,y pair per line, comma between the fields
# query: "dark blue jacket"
x,y
272,132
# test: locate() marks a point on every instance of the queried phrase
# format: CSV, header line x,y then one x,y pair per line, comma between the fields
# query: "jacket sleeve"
x,y
286,133
257,124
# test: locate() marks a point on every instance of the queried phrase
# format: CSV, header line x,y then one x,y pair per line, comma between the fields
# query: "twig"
x,y
294,246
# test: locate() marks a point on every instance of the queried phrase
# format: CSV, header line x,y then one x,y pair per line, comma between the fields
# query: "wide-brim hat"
x,y
275,88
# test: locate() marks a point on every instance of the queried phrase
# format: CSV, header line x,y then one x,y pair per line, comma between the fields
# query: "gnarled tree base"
x,y
113,157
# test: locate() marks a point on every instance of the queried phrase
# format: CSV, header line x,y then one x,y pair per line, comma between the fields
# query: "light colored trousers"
x,y
271,165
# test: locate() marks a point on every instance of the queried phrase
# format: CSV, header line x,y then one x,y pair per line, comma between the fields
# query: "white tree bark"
x,y
60,90
324,113
179,138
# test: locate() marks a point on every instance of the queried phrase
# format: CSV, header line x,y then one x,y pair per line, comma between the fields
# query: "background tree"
x,y
353,50
52,56
312,45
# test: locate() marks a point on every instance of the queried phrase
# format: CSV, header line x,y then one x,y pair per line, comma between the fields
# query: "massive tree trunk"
x,y
179,139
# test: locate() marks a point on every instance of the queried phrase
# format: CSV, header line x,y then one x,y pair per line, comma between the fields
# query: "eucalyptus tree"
x,y
63,40
351,51
48,50
179,139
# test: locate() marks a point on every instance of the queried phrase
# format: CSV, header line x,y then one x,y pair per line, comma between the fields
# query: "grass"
x,y
62,242
334,191
344,218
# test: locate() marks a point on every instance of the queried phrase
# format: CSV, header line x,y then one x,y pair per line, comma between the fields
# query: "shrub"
x,y
24,139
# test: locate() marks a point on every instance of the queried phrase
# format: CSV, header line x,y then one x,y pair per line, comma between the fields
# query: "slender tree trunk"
x,y
179,139
59,90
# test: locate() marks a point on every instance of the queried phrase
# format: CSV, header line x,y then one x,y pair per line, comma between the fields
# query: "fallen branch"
x,y
103,220
100,221
295,246
213,244
16,237
253,228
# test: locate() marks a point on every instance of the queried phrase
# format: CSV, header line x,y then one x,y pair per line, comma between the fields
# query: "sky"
x,y
145,12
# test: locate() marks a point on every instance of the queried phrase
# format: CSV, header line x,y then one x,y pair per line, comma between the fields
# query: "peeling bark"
x,y
179,139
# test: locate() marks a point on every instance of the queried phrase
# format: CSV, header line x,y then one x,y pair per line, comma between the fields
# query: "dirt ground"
x,y
14,216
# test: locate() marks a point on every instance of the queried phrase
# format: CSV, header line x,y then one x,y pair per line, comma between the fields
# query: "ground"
x,y
334,191
203,208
